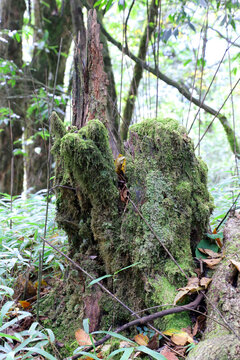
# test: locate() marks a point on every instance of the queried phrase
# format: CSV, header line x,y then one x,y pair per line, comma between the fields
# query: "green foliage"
x,y
23,344
20,235
115,273
9,72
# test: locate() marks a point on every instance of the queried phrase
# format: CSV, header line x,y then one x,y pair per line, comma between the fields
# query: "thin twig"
x,y
218,113
158,43
210,85
41,258
12,163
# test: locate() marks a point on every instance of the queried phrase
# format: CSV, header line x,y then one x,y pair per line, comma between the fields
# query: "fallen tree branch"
x,y
191,306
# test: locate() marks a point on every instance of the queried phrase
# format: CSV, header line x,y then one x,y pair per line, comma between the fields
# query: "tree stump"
x,y
167,186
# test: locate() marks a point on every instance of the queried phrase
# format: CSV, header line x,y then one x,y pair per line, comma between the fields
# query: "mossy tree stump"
x,y
167,184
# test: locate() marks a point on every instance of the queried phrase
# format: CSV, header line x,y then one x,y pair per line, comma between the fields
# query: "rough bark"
x,y
11,14
138,69
223,295
90,82
57,24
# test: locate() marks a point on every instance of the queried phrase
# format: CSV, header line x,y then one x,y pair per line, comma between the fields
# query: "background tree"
x,y
11,15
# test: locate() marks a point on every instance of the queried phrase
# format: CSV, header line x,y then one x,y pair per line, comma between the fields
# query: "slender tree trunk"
x,y
52,25
138,70
11,15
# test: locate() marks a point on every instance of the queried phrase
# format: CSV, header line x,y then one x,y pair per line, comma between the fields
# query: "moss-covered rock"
x,y
167,184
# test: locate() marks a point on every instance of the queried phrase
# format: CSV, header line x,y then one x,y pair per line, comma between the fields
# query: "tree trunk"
x,y
167,185
138,69
52,25
11,14
219,342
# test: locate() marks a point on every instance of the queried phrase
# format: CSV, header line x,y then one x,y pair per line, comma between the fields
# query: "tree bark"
x,y
11,14
90,94
223,298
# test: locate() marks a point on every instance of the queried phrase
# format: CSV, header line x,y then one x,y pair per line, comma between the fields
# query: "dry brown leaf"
x,y
210,253
192,285
205,282
191,288
24,304
171,331
236,264
193,281
141,339
169,355
153,343
180,296
181,338
211,263
82,337
195,329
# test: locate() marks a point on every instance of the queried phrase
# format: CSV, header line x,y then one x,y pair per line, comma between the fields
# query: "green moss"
x,y
164,292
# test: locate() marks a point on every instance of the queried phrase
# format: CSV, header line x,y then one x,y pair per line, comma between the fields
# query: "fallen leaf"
x,y
192,287
211,263
24,304
236,264
210,253
141,339
171,331
195,329
120,164
154,342
82,337
180,296
205,282
181,338
193,281
169,355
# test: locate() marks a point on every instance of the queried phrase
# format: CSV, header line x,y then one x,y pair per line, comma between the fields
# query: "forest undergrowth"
x,y
23,220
